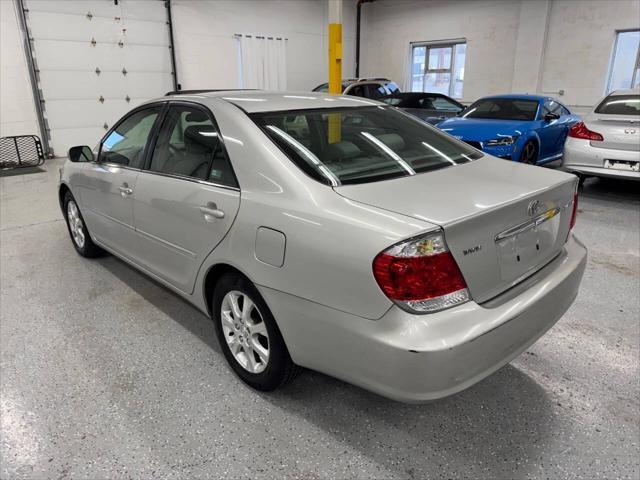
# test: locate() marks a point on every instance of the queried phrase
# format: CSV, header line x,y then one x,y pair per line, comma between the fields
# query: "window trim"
x,y
435,44
150,139
199,106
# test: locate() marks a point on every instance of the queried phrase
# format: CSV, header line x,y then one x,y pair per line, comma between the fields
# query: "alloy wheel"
x,y
245,331
529,154
75,223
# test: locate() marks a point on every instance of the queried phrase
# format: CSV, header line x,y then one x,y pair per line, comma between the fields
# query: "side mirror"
x,y
80,153
549,117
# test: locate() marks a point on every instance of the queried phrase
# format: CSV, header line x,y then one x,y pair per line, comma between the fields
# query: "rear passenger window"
x,y
189,146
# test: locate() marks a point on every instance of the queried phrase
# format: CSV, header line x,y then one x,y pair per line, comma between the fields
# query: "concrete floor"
x,y
105,374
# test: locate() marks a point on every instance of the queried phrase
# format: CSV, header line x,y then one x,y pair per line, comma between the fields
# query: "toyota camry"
x,y
333,233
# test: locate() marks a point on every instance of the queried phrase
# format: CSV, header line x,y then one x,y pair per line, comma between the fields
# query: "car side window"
x,y
553,107
358,91
442,104
375,91
126,143
189,146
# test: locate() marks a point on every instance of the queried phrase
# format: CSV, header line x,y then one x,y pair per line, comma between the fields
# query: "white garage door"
x,y
97,59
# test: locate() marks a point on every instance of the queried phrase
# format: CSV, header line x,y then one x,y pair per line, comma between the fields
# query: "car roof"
x,y
254,101
416,94
631,91
521,96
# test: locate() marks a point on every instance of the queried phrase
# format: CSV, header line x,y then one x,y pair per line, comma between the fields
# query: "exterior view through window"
x,y
503,109
359,145
620,105
625,66
438,68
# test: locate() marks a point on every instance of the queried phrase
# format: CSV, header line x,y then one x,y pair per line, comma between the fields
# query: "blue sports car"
x,y
525,128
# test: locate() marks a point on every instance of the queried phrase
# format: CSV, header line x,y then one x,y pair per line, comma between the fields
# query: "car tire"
x,y
249,336
529,154
78,229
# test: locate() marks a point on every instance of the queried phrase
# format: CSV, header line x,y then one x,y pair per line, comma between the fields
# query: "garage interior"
x,y
105,373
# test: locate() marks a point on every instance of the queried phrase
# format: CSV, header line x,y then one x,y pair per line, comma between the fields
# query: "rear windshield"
x,y
358,145
620,105
503,109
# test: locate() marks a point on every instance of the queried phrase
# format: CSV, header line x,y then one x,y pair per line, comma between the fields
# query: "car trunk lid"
x,y
486,209
619,132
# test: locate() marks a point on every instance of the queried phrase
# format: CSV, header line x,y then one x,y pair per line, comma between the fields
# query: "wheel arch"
x,y
62,191
213,275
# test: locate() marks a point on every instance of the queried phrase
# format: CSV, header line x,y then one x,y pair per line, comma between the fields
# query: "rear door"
x,y
109,186
186,198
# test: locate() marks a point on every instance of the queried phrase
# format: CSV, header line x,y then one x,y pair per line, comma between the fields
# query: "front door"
x,y
110,183
187,197
553,133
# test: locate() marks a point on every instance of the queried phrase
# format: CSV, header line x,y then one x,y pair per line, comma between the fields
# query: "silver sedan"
x,y
333,233
607,143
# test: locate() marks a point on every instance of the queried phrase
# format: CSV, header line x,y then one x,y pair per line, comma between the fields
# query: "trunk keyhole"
x,y
518,257
537,246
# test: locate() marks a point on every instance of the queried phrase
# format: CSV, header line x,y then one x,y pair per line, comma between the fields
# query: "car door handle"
x,y
125,190
211,212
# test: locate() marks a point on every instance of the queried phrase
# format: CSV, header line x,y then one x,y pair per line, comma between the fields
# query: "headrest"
x,y
339,151
392,140
196,116
200,138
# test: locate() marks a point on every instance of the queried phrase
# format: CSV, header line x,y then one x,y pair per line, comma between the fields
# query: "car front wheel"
x,y
248,334
78,230
529,153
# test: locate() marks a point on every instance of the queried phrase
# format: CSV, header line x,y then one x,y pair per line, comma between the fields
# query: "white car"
x,y
607,142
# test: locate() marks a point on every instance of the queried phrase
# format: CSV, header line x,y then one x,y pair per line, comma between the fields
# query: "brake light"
x,y
574,212
421,275
580,130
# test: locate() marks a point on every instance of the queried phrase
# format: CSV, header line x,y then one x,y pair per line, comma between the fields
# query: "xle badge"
x,y
471,250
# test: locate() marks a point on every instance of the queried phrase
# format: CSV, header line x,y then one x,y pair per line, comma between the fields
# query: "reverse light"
x,y
502,141
421,275
580,130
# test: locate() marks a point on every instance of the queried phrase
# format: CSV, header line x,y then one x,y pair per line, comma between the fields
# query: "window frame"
x,y
634,79
162,105
452,43
152,146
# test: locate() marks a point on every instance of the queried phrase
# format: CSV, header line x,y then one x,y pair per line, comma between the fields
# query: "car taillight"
x,y
421,275
580,130
574,212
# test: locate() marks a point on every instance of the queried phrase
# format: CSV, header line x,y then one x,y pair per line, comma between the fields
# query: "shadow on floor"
x,y
623,192
12,172
164,299
503,417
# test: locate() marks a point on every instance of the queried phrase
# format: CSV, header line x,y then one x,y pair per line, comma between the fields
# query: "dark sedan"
x,y
433,108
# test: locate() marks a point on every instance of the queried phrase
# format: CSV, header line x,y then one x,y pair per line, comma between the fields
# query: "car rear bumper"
x,y
418,358
581,157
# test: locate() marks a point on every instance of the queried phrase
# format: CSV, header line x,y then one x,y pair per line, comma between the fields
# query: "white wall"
x,y
17,110
207,52
490,28
529,46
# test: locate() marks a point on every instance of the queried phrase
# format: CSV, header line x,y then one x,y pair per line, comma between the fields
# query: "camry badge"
x,y
534,207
